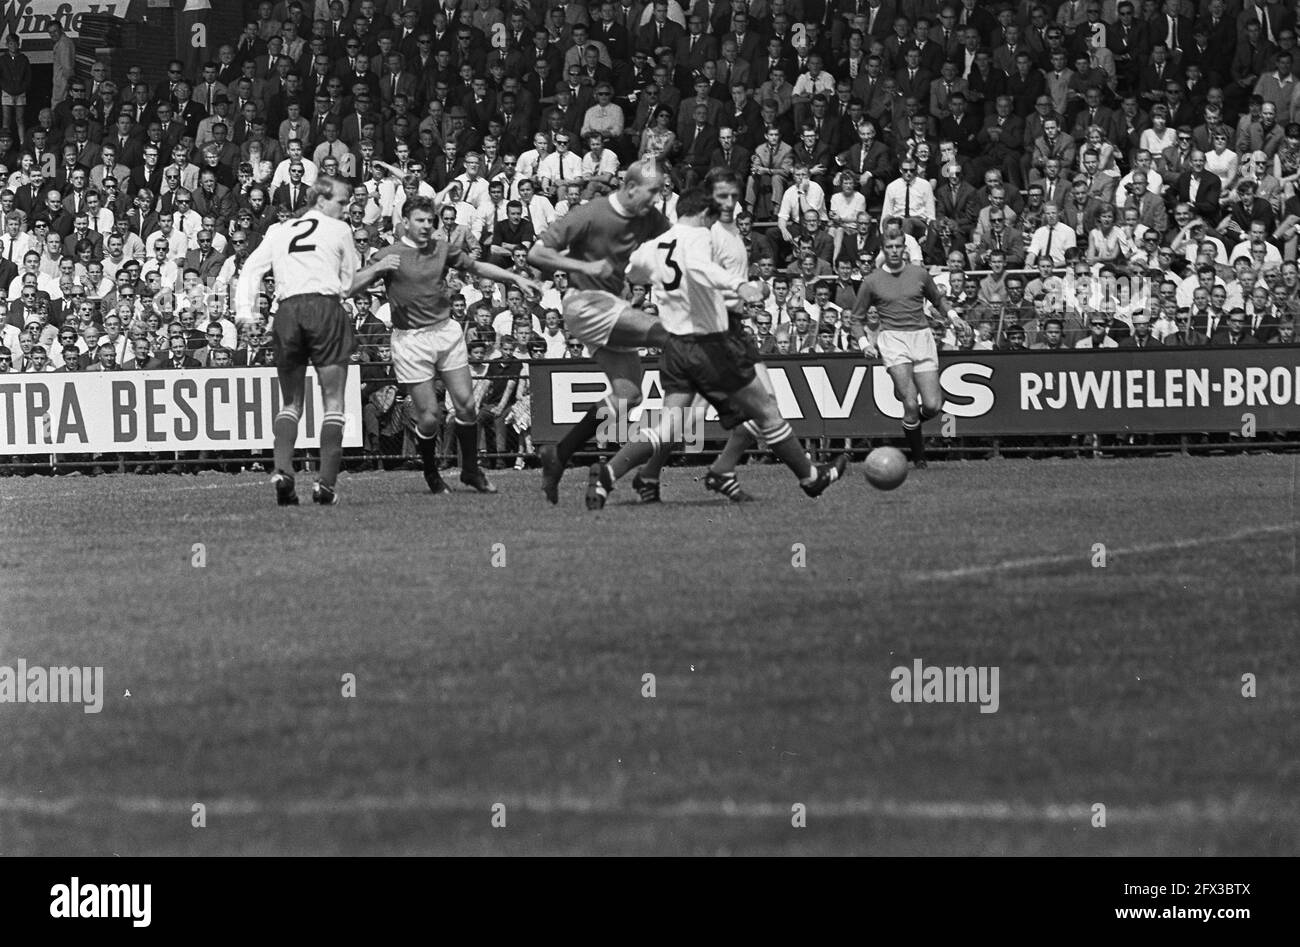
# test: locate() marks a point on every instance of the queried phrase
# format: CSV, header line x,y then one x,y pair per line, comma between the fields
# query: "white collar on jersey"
x,y
615,203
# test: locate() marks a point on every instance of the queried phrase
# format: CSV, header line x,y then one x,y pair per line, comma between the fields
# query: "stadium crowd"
x,y
1079,174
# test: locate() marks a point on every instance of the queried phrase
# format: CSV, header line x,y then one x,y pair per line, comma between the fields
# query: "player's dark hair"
x,y
719,175
419,202
696,200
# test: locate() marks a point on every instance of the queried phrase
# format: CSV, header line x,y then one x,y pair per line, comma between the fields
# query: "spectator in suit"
x,y
1198,187
771,167
660,32
292,195
777,89
956,201
731,155
204,260
698,141
1001,237
697,47
1235,332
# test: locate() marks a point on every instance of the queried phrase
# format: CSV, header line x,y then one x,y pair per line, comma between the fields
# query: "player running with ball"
x,y
905,341
701,355
427,342
593,243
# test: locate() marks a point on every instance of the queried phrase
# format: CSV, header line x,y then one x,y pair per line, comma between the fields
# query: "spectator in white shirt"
x,y
553,333
1141,166
801,196
161,263
1053,238
599,164
910,199
294,155
473,186
537,208
531,159
604,118
331,147
177,241
560,168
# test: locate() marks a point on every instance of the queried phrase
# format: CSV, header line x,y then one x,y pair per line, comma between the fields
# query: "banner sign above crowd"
x,y
227,409
1167,390
30,20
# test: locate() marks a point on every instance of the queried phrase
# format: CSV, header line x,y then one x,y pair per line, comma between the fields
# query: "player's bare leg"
x,y
332,379
623,369
658,443
633,330
922,399
428,419
460,387
721,477
285,430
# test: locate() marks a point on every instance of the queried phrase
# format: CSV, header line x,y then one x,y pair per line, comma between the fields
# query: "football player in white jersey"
x,y
701,356
730,253
314,260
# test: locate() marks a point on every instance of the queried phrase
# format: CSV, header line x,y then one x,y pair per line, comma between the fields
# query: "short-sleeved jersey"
x,y
687,283
729,251
417,290
596,231
313,254
899,297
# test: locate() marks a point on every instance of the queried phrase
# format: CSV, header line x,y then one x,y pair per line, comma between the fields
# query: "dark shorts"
x,y
714,366
737,328
312,330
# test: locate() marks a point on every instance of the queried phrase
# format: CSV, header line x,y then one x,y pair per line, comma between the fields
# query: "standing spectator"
x,y
65,61
15,79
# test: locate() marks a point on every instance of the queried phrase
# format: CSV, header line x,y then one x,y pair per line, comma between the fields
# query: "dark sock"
x,y
467,438
915,442
285,429
427,445
580,433
331,448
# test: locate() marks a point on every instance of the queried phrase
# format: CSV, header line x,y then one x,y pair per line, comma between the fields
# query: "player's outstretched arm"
x,y
550,260
249,287
367,275
532,289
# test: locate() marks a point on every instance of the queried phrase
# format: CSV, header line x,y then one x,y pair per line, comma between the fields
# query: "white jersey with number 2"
x,y
313,254
688,284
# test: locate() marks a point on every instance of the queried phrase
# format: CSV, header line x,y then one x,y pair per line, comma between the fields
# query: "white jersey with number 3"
x,y
313,254
688,285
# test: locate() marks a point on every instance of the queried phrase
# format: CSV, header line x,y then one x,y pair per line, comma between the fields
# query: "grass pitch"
x,y
514,673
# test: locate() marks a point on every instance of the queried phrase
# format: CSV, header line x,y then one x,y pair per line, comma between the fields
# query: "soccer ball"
x,y
885,468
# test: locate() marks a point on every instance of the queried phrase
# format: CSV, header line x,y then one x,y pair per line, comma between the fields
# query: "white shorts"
x,y
419,354
7,99
915,348
591,314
